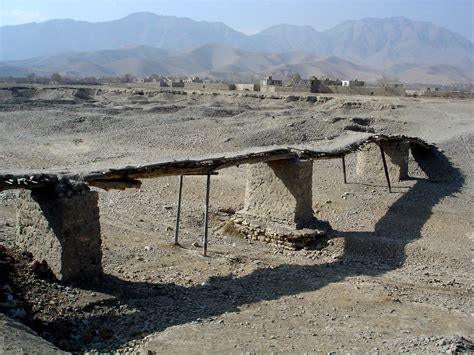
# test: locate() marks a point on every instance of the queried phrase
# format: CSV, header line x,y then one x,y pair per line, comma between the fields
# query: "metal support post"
x,y
387,177
206,215
178,211
344,168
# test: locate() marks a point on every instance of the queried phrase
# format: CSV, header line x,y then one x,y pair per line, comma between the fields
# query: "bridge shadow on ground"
x,y
159,306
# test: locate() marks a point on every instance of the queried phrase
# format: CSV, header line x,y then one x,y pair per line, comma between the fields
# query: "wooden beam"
x,y
27,181
126,177
117,184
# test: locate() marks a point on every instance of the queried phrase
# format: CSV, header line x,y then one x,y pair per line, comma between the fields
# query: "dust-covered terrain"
x,y
394,276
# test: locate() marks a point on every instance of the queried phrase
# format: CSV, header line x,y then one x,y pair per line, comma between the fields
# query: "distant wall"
x,y
290,89
367,90
177,84
247,87
448,94
174,84
267,88
209,86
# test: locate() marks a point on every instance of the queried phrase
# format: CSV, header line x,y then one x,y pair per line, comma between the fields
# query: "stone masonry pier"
x,y
58,214
64,231
280,192
370,164
278,204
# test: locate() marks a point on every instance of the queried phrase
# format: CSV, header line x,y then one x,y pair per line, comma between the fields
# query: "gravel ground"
x,y
395,276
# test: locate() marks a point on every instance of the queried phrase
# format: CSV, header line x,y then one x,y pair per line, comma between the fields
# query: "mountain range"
x,y
210,60
146,43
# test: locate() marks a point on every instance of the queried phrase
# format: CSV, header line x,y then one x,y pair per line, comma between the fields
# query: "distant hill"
x,y
211,60
284,38
139,43
442,74
332,67
143,28
223,62
384,42
13,71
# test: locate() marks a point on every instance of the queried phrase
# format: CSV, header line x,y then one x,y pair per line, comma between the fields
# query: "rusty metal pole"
x,y
206,215
178,211
344,168
387,177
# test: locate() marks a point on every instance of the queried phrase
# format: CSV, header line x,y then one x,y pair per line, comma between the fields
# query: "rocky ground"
x,y
395,275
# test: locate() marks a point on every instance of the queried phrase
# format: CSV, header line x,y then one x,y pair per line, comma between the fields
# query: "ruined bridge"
x,y
58,214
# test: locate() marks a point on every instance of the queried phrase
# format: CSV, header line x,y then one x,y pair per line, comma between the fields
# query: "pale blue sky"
x,y
248,16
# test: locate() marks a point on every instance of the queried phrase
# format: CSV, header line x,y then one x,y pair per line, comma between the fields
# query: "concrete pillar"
x,y
280,191
64,231
369,160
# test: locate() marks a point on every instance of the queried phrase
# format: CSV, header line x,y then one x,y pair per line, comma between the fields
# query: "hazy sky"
x,y
248,16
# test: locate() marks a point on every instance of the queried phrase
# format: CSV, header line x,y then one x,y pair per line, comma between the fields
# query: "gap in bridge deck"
x,y
147,217
359,204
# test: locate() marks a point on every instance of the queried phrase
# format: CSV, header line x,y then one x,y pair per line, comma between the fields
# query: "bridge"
x,y
58,214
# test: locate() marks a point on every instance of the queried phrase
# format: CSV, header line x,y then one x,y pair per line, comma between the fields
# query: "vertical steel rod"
x,y
344,168
206,215
385,169
178,211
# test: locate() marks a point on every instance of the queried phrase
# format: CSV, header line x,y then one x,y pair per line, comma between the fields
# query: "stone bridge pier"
x,y
278,204
62,230
370,163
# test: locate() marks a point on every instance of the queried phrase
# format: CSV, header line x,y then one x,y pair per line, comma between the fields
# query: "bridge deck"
x,y
127,176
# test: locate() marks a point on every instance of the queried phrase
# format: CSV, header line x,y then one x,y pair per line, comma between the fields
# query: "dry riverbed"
x,y
394,276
